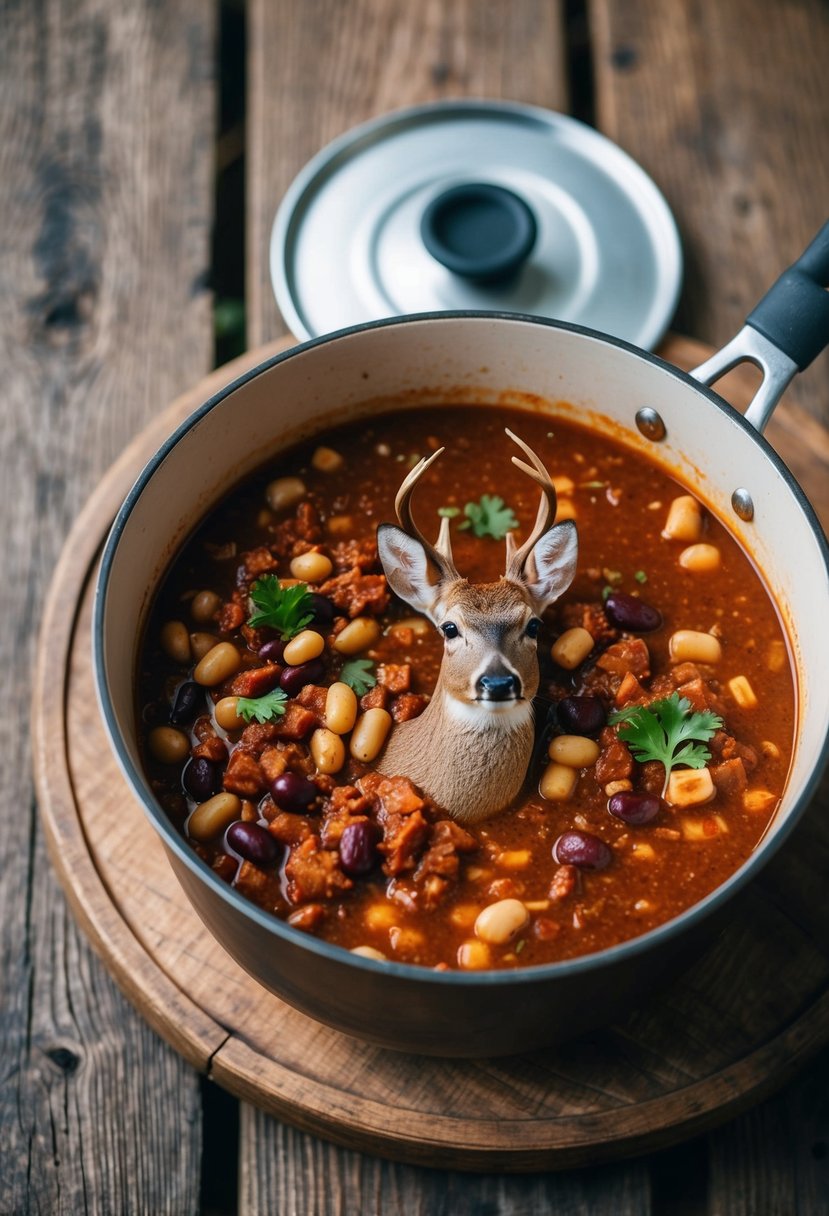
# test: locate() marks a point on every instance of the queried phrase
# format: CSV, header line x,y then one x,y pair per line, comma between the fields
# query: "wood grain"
x,y
318,68
104,226
726,105
730,1030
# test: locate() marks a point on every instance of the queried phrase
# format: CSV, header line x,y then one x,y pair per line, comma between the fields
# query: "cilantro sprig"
x,y
668,731
359,675
286,609
262,709
489,517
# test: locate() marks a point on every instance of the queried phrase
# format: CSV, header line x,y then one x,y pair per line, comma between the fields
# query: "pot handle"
x,y
783,333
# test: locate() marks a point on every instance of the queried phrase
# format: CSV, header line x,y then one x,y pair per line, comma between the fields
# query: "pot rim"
x,y
609,957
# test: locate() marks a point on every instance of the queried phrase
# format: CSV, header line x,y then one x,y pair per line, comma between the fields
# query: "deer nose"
x,y
499,688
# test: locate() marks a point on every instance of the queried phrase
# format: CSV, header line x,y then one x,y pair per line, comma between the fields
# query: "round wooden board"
x,y
736,1026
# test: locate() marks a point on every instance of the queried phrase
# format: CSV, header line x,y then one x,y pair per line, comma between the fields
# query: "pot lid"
x,y
476,205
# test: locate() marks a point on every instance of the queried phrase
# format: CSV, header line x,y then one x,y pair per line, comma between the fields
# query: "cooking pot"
x,y
487,359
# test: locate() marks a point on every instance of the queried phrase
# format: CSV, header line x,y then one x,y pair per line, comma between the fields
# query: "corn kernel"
x,y
690,787
642,851
742,692
381,915
463,916
759,800
514,859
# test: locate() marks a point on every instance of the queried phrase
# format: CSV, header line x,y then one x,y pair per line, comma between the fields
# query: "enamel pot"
x,y
487,359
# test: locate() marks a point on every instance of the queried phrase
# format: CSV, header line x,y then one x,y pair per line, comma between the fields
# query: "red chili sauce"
x,y
369,862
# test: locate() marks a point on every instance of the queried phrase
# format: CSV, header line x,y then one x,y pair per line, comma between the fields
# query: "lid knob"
x,y
479,231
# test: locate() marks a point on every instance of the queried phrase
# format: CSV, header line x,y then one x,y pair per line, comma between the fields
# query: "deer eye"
x,y
533,628
450,629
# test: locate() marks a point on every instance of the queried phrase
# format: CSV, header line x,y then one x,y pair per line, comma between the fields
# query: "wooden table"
x,y
107,195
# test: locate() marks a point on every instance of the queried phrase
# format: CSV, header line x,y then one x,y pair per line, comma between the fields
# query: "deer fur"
x,y
468,750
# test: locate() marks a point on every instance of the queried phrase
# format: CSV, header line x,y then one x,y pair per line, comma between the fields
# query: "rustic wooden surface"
x,y
644,1083
106,117
105,209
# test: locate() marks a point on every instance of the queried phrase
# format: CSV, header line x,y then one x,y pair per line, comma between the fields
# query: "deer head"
x,y
470,748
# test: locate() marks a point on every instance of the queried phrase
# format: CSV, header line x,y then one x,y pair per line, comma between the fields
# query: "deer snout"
x,y
498,688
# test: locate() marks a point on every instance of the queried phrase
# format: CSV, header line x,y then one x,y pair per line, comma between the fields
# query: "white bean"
x,y
500,922
219,664
370,734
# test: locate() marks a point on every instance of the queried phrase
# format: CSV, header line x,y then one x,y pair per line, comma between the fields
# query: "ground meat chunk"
x,y
231,617
653,776
629,655
298,535
408,705
589,616
296,722
396,795
376,698
256,682
630,691
726,747
258,735
211,748
259,886
615,762
729,777
564,883
446,840
290,829
314,873
357,593
313,697
243,775
403,839
396,677
701,696
257,562
273,763
361,554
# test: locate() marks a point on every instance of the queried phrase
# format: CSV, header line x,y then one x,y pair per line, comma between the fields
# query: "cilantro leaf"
x,y
489,517
359,675
286,609
448,512
263,709
668,731
640,576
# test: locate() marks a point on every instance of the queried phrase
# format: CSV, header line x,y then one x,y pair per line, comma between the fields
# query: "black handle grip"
x,y
479,231
794,313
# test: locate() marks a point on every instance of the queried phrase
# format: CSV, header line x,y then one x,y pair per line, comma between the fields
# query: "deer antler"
x,y
441,552
516,558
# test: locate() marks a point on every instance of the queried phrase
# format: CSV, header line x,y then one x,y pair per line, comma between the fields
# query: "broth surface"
x,y
620,502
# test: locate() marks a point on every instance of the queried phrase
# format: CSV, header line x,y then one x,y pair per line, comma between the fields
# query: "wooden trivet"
x,y
734,1028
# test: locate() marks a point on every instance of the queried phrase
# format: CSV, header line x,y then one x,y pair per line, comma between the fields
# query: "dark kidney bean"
x,y
294,679
188,704
582,715
323,611
634,808
358,848
272,651
582,849
253,842
293,792
631,613
201,779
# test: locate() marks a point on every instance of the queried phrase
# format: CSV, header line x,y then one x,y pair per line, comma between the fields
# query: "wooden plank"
x,y
296,1175
775,1159
318,68
727,108
730,114
106,208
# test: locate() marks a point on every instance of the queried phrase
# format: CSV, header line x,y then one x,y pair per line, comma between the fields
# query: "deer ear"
x,y
412,574
551,566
